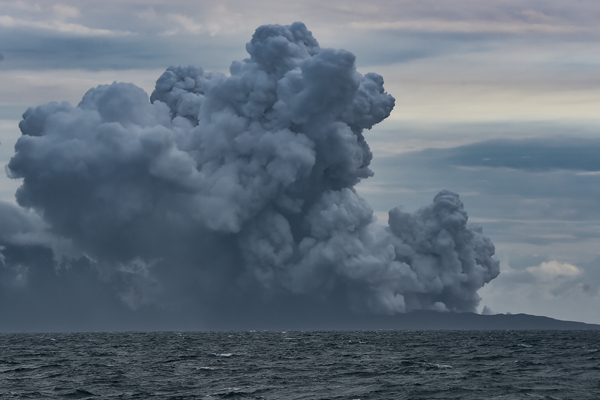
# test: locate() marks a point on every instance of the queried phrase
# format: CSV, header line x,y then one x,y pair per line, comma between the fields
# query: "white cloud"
x,y
63,11
552,270
188,24
9,133
588,173
6,21
26,6
553,288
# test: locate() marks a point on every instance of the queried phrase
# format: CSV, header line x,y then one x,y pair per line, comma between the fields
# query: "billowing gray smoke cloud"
x,y
233,192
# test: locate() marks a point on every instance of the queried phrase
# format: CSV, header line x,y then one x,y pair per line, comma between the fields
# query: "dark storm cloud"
x,y
561,171
515,205
536,154
39,49
403,47
536,193
235,194
560,174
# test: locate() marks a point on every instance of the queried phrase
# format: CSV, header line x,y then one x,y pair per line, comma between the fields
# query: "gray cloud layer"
x,y
535,154
32,49
93,35
233,196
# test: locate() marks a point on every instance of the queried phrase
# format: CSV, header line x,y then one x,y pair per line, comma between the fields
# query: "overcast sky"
x,y
496,101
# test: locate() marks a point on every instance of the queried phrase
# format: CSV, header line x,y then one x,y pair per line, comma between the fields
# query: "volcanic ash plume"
x,y
241,187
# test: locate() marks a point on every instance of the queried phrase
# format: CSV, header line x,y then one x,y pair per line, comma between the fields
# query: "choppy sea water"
x,y
302,365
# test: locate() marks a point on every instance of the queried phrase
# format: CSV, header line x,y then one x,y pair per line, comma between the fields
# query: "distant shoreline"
x,y
413,321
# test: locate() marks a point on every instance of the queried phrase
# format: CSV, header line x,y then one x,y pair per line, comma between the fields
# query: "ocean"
x,y
302,365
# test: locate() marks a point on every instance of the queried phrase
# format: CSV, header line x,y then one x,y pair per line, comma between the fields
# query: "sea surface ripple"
x,y
302,365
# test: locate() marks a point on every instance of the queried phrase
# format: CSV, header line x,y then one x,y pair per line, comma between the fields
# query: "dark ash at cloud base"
x,y
228,194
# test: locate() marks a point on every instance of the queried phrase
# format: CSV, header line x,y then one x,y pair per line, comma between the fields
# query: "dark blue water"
x,y
302,365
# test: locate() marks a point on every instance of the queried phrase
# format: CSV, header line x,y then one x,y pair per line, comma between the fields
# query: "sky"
x,y
495,101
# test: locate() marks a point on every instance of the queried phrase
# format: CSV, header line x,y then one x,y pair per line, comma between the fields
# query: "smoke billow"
x,y
237,191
